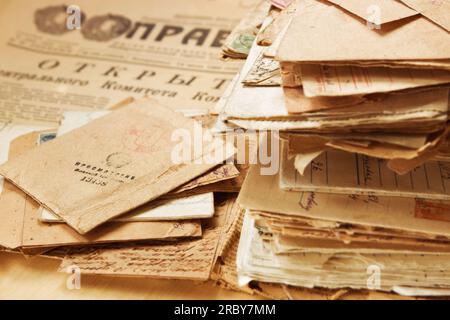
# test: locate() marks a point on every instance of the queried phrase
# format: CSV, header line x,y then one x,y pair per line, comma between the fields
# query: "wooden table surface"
x,y
37,278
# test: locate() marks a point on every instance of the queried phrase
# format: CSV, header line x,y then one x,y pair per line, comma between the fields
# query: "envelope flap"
x,y
437,11
377,11
338,37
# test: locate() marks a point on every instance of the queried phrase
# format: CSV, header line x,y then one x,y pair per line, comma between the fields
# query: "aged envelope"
x,y
21,227
75,119
191,260
389,10
196,206
124,155
437,11
200,206
357,41
39,234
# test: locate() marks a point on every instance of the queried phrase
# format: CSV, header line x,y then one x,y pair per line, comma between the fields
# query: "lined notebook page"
x,y
342,172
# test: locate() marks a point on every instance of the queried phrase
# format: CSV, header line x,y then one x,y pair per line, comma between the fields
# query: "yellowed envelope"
x,y
112,165
40,234
389,10
75,119
437,11
410,39
21,227
199,206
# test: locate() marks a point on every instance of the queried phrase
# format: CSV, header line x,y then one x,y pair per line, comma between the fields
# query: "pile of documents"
x,y
359,93
354,95
103,192
88,179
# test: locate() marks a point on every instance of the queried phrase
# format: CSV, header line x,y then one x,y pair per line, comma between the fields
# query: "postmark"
x,y
118,160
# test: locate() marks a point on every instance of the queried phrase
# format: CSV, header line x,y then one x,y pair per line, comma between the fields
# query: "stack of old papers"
x,y
356,92
92,181
330,240
359,93
105,183
328,76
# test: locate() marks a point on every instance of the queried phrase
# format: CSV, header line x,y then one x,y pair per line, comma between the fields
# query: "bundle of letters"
x,y
107,162
105,192
358,93
348,197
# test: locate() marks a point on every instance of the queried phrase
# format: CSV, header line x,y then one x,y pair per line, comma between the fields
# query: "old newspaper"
x,y
55,56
